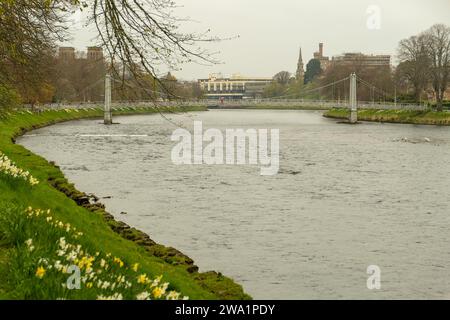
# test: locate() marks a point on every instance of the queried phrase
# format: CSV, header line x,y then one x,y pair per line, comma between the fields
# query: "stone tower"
x,y
67,54
300,75
95,54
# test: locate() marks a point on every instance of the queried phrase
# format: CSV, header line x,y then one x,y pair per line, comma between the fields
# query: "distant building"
x,y
300,74
324,61
66,54
375,61
236,87
81,74
95,53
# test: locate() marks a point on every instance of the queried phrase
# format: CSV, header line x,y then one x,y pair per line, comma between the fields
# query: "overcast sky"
x,y
271,31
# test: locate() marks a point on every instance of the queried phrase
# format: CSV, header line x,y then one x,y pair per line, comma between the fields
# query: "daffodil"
x,y
118,261
29,244
173,295
142,279
157,281
40,272
143,296
58,266
7,167
86,262
105,285
116,296
75,254
157,292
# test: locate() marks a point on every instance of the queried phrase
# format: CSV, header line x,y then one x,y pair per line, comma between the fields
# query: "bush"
x,y
445,105
9,98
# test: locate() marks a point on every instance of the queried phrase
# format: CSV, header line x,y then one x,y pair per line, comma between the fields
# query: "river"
x,y
346,197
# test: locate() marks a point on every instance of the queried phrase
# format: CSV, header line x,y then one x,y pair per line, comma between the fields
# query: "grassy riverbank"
x,y
47,226
394,116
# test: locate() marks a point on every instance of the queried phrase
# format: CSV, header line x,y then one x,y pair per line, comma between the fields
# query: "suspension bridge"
x,y
380,100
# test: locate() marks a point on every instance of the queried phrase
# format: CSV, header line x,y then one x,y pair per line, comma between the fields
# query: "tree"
x,y
313,69
146,32
9,98
170,84
34,95
79,79
294,88
132,32
197,92
437,40
30,29
273,90
415,63
64,90
405,89
380,79
282,77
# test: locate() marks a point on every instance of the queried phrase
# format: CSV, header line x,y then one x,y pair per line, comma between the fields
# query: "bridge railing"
x,y
391,106
319,104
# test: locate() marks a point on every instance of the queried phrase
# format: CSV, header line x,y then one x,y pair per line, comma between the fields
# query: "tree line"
x,y
421,75
83,80
139,38
425,63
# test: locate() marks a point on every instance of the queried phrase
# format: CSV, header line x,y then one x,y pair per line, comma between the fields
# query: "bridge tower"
x,y
353,99
108,111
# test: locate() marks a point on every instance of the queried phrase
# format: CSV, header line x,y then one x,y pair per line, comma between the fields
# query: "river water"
x,y
346,197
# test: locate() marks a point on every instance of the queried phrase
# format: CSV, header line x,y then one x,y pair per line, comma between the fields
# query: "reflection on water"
x,y
346,197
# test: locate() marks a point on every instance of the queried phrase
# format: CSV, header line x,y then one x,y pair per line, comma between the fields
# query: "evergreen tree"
x,y
313,69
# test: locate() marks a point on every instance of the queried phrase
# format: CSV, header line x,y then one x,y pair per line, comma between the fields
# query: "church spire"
x,y
300,75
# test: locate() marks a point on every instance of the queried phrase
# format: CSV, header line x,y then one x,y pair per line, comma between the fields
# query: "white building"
x,y
234,87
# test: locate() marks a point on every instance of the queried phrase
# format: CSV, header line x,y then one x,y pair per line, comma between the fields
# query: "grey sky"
x,y
271,31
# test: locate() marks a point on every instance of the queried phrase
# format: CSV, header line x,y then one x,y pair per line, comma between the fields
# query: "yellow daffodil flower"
x,y
40,272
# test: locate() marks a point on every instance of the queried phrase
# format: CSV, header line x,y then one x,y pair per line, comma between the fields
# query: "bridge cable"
x,y
310,90
374,88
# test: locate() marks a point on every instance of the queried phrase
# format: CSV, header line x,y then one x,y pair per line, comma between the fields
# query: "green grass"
x,y
54,192
394,116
